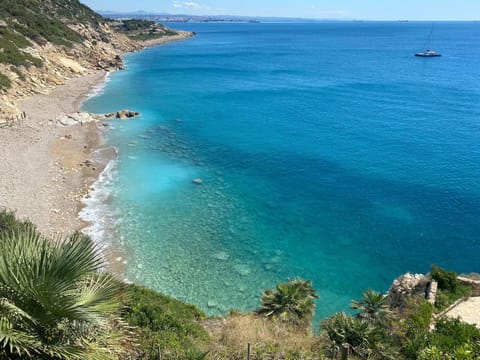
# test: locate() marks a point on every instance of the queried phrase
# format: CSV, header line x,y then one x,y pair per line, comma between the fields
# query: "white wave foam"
x,y
99,88
97,210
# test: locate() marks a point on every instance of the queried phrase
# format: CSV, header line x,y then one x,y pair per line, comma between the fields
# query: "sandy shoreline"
x,y
42,177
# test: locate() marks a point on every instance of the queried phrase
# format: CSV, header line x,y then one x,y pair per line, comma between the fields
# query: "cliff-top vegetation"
x,y
141,30
56,302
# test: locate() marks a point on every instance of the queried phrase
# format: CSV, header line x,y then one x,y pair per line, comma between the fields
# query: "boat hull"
x,y
428,54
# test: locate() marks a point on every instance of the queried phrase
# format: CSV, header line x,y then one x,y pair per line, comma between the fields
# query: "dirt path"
x,y
468,311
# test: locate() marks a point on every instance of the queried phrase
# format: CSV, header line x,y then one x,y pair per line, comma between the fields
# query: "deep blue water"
x,y
327,151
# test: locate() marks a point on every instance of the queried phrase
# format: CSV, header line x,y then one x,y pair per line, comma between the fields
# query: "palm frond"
x,y
53,300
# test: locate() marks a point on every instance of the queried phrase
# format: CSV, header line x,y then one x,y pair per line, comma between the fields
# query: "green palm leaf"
x,y
53,299
291,302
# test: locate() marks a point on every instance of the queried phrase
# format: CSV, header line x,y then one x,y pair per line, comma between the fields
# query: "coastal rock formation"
x,y
84,117
406,286
126,114
76,118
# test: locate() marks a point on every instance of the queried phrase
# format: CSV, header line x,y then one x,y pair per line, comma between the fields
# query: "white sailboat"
x,y
428,52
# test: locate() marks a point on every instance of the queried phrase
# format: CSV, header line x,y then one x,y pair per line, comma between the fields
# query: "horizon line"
x,y
159,13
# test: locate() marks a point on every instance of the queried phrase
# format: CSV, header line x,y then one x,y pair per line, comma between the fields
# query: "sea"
x,y
325,151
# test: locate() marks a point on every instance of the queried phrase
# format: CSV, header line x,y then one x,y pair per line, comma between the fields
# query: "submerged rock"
x,y
197,181
223,256
212,304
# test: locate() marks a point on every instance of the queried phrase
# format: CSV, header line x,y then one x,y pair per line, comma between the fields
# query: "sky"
x,y
315,9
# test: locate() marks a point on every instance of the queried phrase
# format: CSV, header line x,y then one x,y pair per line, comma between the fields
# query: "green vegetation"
x,y
4,82
53,301
18,72
143,36
163,322
56,304
291,302
447,280
132,25
414,327
9,223
449,288
12,55
40,21
141,30
11,44
33,21
453,334
16,39
73,11
372,307
354,336
451,339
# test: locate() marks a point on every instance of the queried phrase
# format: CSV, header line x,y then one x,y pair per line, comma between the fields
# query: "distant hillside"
x,y
48,20
166,17
45,42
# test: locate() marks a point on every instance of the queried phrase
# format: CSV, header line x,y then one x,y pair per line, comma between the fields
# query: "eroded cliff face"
x,y
100,49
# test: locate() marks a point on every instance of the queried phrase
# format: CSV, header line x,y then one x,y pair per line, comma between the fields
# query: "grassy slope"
x,y
163,322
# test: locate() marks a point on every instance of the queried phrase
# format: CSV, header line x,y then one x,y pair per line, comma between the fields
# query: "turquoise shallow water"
x,y
327,151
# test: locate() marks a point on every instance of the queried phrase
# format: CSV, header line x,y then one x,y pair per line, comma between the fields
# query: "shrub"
x,y
18,72
445,298
453,333
9,223
134,24
17,39
38,20
5,82
449,288
11,54
162,322
414,326
447,280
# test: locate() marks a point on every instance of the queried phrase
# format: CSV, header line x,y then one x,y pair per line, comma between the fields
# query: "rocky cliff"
x,y
45,42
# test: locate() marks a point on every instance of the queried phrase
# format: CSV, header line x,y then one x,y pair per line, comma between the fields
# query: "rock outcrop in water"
x,y
125,114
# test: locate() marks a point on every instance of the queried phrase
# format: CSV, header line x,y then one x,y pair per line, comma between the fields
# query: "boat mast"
x,y
429,37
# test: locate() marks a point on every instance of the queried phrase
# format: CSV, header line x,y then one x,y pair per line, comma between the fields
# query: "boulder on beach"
x,y
75,118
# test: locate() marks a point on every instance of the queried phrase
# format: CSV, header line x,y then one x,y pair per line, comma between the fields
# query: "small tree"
x,y
291,302
447,280
372,307
414,327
